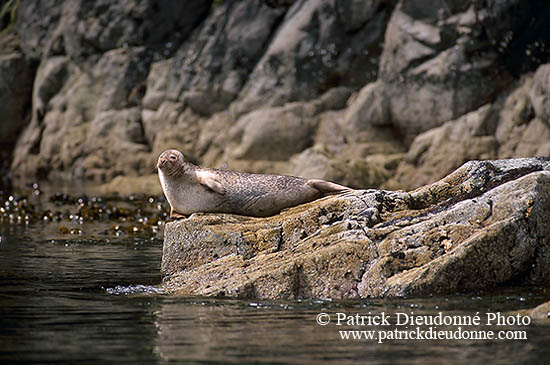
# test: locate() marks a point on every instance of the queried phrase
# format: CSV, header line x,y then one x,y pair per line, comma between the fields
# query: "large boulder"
x,y
485,224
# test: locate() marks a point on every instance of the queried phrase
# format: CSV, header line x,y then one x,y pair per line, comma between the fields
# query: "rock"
x,y
49,80
254,85
360,167
436,65
335,98
209,70
100,26
16,75
157,84
15,91
535,140
368,110
521,48
273,133
514,116
109,145
541,312
132,185
36,25
94,62
437,152
521,130
319,45
368,119
540,93
481,226
83,30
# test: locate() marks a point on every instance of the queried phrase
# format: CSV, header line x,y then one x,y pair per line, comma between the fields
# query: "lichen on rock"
x,y
483,225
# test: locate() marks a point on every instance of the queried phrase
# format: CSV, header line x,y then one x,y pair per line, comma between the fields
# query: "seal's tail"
x,y
327,187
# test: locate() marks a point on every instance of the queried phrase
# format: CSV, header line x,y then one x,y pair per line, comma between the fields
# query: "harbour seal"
x,y
191,189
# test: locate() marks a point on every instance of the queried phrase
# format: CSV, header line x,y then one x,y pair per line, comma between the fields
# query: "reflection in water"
x,y
97,300
224,329
54,306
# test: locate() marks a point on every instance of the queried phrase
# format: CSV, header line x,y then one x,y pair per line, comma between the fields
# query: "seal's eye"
x,y
173,158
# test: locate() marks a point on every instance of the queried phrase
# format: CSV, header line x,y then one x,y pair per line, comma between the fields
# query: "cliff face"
x,y
378,93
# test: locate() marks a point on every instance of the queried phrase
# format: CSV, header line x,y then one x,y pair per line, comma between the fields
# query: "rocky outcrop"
x,y
94,60
368,93
541,312
538,94
320,45
483,225
15,88
16,75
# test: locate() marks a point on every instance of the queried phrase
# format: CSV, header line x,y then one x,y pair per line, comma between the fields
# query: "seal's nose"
x,y
162,162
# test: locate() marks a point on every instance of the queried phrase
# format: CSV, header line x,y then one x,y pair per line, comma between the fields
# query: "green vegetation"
x,y
215,4
8,14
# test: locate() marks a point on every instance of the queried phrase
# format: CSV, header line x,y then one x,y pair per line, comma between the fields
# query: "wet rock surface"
x,y
483,225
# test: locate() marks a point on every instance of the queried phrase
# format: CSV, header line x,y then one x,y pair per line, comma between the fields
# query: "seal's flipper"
x,y
176,215
327,187
209,180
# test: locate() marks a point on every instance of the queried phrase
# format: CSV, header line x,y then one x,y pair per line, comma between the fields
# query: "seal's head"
x,y
171,162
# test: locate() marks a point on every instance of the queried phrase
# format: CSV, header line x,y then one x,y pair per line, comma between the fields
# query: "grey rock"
x,y
157,84
85,29
37,22
95,58
514,116
209,70
540,93
50,78
273,133
15,91
357,81
535,140
66,104
442,60
518,30
320,45
357,167
437,152
368,118
430,69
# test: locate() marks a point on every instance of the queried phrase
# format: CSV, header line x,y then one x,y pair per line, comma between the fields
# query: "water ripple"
x,y
134,289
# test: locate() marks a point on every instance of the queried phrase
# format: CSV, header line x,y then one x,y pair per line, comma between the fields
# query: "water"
x,y
95,298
